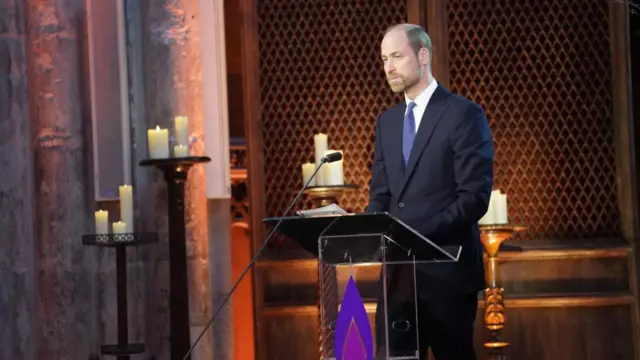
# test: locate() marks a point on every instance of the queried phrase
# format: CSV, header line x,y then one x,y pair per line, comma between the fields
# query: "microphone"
x,y
334,156
327,159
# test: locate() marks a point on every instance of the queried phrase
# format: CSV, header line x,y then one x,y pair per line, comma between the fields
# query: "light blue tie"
x,y
408,132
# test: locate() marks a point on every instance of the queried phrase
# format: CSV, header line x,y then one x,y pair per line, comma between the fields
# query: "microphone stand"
x,y
324,160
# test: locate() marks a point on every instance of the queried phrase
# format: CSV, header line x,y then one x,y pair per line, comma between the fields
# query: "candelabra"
x,y
123,348
175,174
323,195
494,312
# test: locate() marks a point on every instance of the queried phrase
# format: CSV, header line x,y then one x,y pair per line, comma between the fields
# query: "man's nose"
x,y
389,67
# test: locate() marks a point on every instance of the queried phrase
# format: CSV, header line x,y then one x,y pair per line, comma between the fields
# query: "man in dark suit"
x,y
433,169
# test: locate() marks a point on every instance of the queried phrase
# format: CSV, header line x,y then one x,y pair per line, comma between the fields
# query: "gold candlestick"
x,y
494,318
328,194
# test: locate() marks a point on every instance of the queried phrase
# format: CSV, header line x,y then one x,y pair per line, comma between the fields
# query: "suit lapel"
x,y
432,115
396,155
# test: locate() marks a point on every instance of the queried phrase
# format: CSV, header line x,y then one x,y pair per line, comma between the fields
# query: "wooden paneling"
x,y
255,161
634,58
558,293
243,318
437,27
320,71
555,328
626,143
300,328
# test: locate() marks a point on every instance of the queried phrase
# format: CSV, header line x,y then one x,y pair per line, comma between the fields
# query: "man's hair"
x,y
417,36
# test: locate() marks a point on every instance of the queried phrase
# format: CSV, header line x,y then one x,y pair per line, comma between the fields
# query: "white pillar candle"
x,y
102,222
180,151
497,212
181,128
125,192
307,172
320,144
489,216
333,172
501,209
119,227
158,140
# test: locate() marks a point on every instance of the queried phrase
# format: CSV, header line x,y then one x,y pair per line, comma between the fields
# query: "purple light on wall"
x,y
353,336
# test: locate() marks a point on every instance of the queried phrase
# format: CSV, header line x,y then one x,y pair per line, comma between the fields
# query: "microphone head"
x,y
334,156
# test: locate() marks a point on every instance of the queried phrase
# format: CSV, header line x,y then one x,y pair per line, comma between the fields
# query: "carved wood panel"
x,y
321,72
542,71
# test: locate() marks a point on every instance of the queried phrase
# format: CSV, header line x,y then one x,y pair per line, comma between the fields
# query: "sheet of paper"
x,y
332,209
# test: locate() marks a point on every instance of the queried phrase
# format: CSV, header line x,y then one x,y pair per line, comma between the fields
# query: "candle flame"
x,y
157,128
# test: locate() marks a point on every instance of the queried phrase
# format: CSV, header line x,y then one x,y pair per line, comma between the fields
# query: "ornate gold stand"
x,y
327,195
323,196
494,318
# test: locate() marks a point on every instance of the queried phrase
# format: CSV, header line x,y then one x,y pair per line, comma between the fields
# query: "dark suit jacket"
x,y
444,189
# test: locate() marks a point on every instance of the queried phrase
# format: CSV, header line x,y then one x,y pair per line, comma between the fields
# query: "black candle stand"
x,y
123,349
175,174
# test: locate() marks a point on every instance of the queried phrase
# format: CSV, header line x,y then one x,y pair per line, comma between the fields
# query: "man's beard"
x,y
406,83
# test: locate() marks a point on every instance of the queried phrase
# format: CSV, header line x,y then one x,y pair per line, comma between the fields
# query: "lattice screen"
x,y
320,72
541,69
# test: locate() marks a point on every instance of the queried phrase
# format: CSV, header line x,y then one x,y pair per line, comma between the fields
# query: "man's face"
x,y
401,65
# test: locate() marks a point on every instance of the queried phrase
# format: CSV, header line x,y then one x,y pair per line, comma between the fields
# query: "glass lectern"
x,y
354,240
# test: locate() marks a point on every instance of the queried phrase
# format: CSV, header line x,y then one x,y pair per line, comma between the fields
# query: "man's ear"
x,y
423,56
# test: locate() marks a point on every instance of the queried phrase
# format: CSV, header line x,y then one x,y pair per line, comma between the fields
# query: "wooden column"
x,y
439,33
62,196
625,146
417,12
17,295
250,55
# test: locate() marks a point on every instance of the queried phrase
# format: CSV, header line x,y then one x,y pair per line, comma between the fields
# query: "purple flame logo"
x,y
353,336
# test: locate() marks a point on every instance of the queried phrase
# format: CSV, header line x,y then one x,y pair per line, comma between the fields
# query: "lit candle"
x,y
158,143
320,144
180,151
119,227
181,127
333,173
102,222
126,205
307,172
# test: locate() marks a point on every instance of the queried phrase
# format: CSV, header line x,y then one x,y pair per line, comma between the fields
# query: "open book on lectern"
x,y
362,233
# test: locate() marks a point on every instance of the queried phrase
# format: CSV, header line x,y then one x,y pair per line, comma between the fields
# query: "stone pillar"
x,y
17,295
58,135
221,282
172,85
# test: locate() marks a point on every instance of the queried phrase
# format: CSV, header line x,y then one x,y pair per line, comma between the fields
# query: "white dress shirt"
x,y
421,101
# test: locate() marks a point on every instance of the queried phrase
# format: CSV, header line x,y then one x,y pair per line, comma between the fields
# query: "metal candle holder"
x,y
123,348
175,174
494,315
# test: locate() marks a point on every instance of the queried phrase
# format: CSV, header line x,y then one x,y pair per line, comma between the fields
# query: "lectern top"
x,y
307,231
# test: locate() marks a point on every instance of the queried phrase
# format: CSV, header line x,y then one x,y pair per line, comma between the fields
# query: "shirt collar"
x,y
423,99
